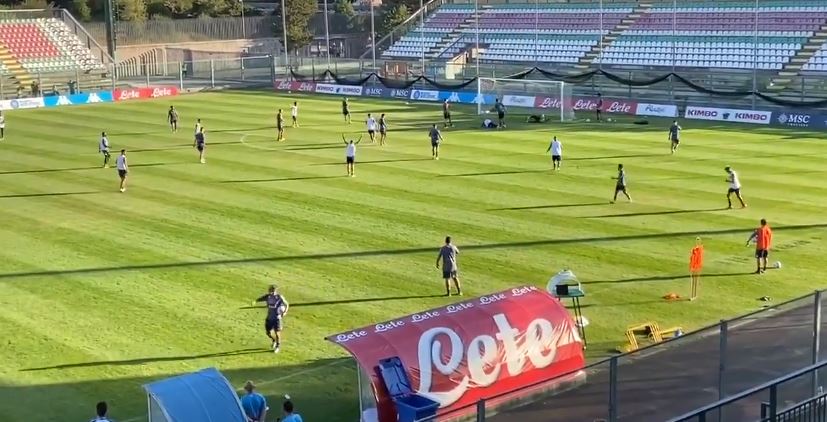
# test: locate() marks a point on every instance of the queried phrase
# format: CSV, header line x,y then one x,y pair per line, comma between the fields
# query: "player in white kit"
x,y
123,169
2,125
294,113
103,147
371,125
350,155
556,148
734,187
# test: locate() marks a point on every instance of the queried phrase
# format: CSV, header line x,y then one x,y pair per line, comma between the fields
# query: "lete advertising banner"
x,y
335,89
78,99
478,348
610,105
22,103
656,110
126,94
728,115
295,86
799,119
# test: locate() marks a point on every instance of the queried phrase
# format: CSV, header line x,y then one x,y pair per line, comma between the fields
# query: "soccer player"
x,y
277,308
450,271
350,155
123,169
2,125
383,129
599,109
763,242
436,138
556,148
101,409
696,263
734,187
172,116
280,126
198,127
675,136
621,184
289,414
446,114
103,148
294,113
346,110
200,144
371,124
254,404
500,108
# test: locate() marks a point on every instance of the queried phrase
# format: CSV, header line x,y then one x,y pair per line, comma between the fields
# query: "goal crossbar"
x,y
533,96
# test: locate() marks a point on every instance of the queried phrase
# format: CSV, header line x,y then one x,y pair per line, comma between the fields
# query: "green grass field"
x,y
101,292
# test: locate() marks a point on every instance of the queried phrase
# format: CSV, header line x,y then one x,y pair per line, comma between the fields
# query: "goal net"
x,y
528,97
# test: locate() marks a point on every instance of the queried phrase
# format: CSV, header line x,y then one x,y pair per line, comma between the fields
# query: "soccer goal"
x,y
551,99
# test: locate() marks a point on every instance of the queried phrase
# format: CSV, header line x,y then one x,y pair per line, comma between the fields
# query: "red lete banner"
x,y
487,347
610,105
294,86
124,94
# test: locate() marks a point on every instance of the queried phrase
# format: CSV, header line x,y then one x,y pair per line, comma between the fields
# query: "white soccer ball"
x,y
487,111
289,92
588,120
777,265
282,309
609,120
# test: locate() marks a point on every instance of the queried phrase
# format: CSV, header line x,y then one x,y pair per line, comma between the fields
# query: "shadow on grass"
x,y
536,243
143,361
284,179
641,214
664,278
48,170
348,301
537,207
495,173
402,160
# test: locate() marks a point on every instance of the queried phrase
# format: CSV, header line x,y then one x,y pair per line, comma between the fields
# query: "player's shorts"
x,y
383,130
345,112
500,115
272,325
350,160
735,191
556,158
446,115
762,253
122,173
434,144
620,188
449,273
173,122
105,152
279,127
200,147
371,132
676,141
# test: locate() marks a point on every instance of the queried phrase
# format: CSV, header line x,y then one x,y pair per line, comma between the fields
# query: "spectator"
x,y
289,416
19,91
101,409
254,404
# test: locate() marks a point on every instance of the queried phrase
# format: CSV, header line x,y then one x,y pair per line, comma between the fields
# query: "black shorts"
x,y
434,144
620,188
106,153
279,127
350,160
731,191
272,325
383,130
676,141
762,253
122,173
173,122
556,158
446,115
345,113
449,274
371,132
200,147
500,116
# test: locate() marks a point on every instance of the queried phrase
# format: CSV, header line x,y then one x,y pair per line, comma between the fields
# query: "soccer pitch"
x,y
101,292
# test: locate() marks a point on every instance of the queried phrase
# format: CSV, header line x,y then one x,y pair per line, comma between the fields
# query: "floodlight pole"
x,y
372,36
326,35
243,24
422,32
477,38
284,39
755,56
600,39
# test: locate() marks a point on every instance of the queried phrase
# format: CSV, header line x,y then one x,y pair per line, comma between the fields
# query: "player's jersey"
x,y
279,119
198,128
500,107
674,132
2,121
275,302
446,108
599,104
345,107
104,144
350,150
172,115
383,125
294,110
734,183
556,148
371,123
121,162
435,135
621,178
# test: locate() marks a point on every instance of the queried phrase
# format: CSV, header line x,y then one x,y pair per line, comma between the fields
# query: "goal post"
x,y
523,96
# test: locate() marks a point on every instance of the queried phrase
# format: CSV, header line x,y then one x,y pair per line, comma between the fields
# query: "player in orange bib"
x,y
763,242
696,263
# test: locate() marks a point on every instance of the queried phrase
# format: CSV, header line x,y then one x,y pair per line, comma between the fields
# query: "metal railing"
x,y
812,410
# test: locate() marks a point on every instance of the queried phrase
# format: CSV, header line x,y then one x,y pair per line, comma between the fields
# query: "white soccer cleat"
x,y
276,349
123,190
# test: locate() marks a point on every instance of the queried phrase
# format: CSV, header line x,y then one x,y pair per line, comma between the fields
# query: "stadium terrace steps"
x,y
800,61
587,60
12,66
44,45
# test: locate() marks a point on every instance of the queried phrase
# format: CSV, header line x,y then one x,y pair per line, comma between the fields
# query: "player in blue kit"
x,y
277,308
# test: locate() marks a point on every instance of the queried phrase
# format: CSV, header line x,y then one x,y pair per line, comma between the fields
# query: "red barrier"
x,y
145,93
294,86
479,348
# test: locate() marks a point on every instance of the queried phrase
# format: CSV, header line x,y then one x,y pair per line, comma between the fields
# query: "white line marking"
x,y
244,136
266,382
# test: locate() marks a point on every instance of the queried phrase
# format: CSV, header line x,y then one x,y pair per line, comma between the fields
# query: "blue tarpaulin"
x,y
203,396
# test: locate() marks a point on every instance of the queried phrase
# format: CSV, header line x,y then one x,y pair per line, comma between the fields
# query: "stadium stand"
x,y
698,34
42,46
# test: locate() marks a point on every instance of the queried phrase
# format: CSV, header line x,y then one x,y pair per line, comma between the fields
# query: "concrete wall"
x,y
204,50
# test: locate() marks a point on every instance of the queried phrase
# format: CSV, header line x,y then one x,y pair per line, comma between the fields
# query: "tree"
x,y
178,8
82,10
393,17
344,8
131,10
299,13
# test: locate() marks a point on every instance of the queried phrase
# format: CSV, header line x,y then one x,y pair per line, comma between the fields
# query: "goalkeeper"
x,y
536,118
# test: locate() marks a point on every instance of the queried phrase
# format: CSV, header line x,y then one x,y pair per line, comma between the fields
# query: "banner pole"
x,y
326,35
373,36
284,38
477,37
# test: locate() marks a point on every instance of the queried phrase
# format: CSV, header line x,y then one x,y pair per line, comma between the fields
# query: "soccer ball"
x,y
487,111
588,120
777,265
609,120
